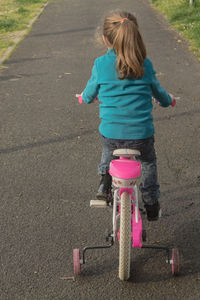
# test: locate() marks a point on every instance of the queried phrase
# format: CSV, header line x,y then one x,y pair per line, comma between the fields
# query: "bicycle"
x,y
125,172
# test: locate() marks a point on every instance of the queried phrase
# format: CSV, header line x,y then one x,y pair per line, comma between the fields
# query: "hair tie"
x,y
124,19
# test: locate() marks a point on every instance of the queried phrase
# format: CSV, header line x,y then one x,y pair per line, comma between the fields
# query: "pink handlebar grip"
x,y
80,99
173,102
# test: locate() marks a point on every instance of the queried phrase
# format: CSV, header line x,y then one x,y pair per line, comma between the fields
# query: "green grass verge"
x,y
15,15
184,17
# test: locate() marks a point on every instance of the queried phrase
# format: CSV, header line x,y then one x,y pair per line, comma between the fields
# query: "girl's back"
x,y
126,105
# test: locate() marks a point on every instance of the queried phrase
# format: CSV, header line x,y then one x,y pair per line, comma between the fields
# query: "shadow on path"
x,y
44,143
62,32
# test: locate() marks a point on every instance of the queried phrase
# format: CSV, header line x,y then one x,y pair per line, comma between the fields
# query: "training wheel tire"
x,y
76,262
175,261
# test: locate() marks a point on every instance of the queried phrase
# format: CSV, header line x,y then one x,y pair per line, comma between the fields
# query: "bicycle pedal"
x,y
98,203
108,235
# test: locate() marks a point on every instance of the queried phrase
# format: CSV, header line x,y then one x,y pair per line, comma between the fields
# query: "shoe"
x,y
104,187
152,211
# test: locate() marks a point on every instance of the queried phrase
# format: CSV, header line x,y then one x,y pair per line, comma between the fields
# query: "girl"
x,y
125,81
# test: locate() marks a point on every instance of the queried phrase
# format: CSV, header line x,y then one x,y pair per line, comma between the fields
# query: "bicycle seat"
x,y
125,168
126,152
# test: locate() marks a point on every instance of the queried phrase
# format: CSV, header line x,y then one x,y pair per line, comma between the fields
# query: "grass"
x,y
184,17
15,15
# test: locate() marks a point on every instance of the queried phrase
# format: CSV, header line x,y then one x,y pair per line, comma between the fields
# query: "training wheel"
x,y
175,261
76,261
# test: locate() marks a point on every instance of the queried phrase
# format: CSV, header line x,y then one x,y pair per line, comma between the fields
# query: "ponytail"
x,y
122,32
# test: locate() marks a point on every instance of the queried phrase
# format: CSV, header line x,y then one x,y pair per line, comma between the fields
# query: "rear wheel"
x,y
125,237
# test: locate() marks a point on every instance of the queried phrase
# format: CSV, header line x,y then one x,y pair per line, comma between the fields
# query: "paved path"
x,y
49,152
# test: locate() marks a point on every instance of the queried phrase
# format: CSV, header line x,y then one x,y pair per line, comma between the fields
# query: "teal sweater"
x,y
125,105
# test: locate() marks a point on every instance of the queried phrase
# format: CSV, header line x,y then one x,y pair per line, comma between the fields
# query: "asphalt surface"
x,y
49,153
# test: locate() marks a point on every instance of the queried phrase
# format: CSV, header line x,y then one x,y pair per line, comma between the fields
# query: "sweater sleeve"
x,y
92,87
159,93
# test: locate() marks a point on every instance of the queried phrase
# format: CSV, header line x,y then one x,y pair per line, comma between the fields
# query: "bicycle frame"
x,y
136,220
128,185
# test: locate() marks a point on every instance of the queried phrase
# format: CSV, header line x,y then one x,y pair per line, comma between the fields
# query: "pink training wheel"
x,y
76,261
175,261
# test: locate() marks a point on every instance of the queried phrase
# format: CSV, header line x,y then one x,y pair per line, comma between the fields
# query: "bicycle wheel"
x,y
125,237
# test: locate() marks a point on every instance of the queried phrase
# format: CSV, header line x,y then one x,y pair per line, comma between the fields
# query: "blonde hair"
x,y
122,32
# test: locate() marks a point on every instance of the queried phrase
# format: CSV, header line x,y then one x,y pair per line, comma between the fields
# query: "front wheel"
x,y
125,237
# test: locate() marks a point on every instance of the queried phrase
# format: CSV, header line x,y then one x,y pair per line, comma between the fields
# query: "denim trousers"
x,y
149,186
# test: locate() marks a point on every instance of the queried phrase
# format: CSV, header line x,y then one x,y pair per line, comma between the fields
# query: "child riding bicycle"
x,y
124,81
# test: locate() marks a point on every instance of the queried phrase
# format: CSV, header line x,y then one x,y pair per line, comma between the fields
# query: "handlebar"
x,y
174,99
173,102
80,99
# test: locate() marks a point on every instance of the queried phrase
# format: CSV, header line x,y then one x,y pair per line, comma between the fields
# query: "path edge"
x,y
21,36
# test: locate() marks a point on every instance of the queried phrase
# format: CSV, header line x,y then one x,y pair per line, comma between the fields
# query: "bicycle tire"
x,y
76,262
125,237
175,261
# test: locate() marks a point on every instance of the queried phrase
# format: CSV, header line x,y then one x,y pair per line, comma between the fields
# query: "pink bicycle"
x,y
127,221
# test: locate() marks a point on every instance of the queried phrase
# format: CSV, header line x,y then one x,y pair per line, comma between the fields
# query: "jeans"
x,y
149,186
